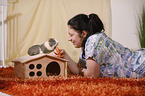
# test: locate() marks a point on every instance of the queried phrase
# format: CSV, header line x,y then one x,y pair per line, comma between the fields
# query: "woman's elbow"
x,y
91,74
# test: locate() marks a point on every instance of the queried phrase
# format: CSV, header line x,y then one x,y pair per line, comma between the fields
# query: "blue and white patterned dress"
x,y
114,59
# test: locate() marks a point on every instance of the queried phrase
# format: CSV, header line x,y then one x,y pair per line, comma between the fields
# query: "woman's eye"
x,y
71,35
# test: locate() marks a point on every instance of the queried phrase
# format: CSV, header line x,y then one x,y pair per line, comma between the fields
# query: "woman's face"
x,y
75,37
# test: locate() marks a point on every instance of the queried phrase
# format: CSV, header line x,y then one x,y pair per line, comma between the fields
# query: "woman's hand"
x,y
71,64
59,53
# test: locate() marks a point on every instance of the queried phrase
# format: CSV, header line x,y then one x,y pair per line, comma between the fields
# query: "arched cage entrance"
x,y
53,68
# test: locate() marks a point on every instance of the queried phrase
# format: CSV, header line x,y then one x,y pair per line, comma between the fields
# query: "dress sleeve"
x,y
91,48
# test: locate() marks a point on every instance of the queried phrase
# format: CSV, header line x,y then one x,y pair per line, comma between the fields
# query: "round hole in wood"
x,y
39,73
31,66
39,66
53,68
31,73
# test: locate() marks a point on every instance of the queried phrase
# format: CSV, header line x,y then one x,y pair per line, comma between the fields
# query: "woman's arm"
x,y
93,68
71,64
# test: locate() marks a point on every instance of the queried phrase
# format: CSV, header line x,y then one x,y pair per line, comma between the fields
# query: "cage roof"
x,y
28,58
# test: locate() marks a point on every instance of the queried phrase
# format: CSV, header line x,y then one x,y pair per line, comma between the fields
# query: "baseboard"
x,y
6,64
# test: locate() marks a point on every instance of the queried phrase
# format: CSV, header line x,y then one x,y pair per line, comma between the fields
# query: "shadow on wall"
x,y
11,18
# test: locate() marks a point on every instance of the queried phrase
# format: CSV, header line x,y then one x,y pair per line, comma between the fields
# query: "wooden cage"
x,y
41,65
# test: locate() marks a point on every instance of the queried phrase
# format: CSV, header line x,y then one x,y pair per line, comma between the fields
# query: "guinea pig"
x,y
46,47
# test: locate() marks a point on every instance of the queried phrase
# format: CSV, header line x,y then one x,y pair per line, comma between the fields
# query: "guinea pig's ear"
x,y
51,44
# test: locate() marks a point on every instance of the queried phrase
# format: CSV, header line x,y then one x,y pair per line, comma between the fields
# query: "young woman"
x,y
101,56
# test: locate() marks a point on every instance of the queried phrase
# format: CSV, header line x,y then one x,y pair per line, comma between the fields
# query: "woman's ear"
x,y
84,34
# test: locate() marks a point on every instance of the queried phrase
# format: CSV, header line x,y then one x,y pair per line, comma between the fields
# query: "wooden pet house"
x,y
41,65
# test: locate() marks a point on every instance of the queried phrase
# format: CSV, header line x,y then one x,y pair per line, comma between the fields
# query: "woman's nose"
x,y
69,39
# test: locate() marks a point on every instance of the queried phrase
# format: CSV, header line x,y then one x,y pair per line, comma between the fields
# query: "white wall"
x,y
125,15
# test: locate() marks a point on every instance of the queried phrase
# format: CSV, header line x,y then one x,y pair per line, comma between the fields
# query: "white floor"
x,y
3,94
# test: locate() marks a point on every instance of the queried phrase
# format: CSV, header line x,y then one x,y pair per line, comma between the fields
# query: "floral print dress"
x,y
114,59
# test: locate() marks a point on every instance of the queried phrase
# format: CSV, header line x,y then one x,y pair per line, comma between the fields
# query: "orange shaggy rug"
x,y
74,85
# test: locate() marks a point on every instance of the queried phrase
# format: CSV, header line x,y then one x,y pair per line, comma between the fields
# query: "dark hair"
x,y
90,23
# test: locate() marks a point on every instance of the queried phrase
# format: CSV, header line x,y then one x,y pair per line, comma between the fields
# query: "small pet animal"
x,y
46,47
